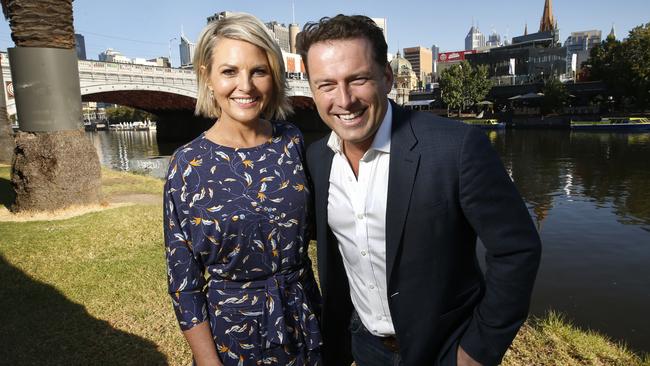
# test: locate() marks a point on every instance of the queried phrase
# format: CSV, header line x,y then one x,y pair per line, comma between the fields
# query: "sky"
x,y
147,28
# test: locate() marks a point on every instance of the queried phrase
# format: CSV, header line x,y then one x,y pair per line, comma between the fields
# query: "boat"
x,y
614,123
490,123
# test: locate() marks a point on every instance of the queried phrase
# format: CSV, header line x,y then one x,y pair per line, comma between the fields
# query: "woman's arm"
x,y
200,340
186,272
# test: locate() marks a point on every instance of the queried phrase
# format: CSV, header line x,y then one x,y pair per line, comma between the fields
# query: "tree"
x,y
555,96
624,66
463,85
636,55
120,114
59,168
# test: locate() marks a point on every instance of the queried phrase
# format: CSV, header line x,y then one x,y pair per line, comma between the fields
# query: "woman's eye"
x,y
260,72
228,72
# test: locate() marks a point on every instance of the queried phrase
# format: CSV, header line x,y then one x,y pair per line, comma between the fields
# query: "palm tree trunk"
x,y
57,169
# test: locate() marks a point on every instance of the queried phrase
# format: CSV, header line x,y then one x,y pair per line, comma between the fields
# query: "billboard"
x,y
453,56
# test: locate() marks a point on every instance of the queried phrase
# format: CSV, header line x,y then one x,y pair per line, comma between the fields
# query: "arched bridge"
x,y
149,88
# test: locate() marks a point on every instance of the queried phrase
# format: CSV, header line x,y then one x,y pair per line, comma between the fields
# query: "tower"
x,y
548,22
612,33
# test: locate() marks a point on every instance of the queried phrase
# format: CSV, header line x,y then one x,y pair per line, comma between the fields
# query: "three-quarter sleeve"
x,y
185,272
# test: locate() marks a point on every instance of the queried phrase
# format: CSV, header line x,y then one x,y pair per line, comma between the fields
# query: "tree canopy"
x,y
624,66
463,85
126,114
555,96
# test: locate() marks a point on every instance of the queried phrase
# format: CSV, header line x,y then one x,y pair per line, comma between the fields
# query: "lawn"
x,y
91,290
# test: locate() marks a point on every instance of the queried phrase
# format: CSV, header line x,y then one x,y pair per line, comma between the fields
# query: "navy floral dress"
x,y
236,225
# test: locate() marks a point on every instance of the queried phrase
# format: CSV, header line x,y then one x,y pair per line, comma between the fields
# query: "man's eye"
x,y
326,87
359,81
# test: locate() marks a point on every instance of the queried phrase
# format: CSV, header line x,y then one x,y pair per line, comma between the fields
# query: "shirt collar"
x,y
381,142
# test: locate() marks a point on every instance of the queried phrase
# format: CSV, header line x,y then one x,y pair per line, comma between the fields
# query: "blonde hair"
x,y
247,28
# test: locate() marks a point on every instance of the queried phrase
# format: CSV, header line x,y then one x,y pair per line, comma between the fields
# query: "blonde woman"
x,y
236,213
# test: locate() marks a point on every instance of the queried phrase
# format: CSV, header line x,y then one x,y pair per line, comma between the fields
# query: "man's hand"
x,y
463,359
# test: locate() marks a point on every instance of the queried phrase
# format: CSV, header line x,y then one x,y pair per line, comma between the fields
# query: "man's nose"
x,y
344,98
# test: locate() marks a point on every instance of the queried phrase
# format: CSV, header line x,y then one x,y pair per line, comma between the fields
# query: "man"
x,y
400,198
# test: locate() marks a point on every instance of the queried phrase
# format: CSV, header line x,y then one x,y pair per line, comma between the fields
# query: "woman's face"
x,y
240,80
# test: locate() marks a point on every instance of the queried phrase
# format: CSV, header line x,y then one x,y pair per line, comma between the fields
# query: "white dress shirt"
x,y
356,212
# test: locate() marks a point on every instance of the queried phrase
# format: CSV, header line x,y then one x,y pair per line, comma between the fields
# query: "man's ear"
x,y
388,74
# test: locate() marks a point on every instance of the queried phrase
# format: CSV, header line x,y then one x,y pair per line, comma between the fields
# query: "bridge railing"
x,y
133,73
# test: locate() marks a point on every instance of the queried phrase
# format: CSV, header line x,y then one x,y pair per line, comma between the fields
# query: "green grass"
x,y
114,182
91,290
553,340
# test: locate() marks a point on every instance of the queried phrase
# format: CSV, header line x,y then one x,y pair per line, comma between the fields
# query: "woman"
x,y
236,206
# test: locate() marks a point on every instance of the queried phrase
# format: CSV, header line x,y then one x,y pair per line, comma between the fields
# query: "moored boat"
x,y
491,124
614,123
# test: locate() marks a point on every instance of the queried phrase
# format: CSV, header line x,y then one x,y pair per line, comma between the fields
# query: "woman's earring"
x,y
211,94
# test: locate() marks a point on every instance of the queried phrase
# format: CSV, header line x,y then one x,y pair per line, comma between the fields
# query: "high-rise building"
x,y
494,40
80,46
382,23
474,39
186,51
111,55
422,63
281,34
294,29
435,51
580,44
219,16
160,61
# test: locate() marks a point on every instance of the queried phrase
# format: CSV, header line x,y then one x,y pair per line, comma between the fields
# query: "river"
x,y
589,195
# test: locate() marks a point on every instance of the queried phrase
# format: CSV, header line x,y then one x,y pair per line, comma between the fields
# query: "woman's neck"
x,y
240,135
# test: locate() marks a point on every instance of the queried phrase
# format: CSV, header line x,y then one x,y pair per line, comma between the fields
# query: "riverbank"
x,y
92,289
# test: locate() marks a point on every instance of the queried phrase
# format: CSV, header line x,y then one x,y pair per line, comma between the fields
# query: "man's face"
x,y
349,88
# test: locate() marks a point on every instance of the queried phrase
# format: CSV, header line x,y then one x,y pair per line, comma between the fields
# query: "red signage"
x,y
453,56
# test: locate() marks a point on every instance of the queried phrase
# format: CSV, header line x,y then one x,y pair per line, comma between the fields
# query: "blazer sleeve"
x,y
496,211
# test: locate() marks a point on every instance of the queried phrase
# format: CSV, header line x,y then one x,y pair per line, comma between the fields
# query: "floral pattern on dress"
x,y
236,225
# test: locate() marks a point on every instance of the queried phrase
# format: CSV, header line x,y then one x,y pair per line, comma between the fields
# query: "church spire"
x,y
612,33
548,22
526,29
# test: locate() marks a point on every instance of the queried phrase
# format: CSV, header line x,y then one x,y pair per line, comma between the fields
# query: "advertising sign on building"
x,y
453,56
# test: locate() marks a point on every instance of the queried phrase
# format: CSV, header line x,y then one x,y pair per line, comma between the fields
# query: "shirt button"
x,y
363,253
378,317
349,179
372,287
360,216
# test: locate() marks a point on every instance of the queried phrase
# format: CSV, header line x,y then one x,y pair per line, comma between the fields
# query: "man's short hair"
x,y
247,28
343,27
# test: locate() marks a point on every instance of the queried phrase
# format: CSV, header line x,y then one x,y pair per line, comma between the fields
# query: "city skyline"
x,y
149,28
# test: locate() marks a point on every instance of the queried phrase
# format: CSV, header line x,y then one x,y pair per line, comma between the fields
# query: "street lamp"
x,y
170,50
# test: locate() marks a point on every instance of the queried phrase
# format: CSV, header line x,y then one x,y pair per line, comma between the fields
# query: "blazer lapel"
x,y
403,166
321,177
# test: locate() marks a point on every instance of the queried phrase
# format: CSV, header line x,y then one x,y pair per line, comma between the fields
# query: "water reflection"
x,y
607,168
131,151
588,195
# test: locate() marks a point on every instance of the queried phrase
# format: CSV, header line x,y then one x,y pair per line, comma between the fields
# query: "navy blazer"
x,y
446,185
